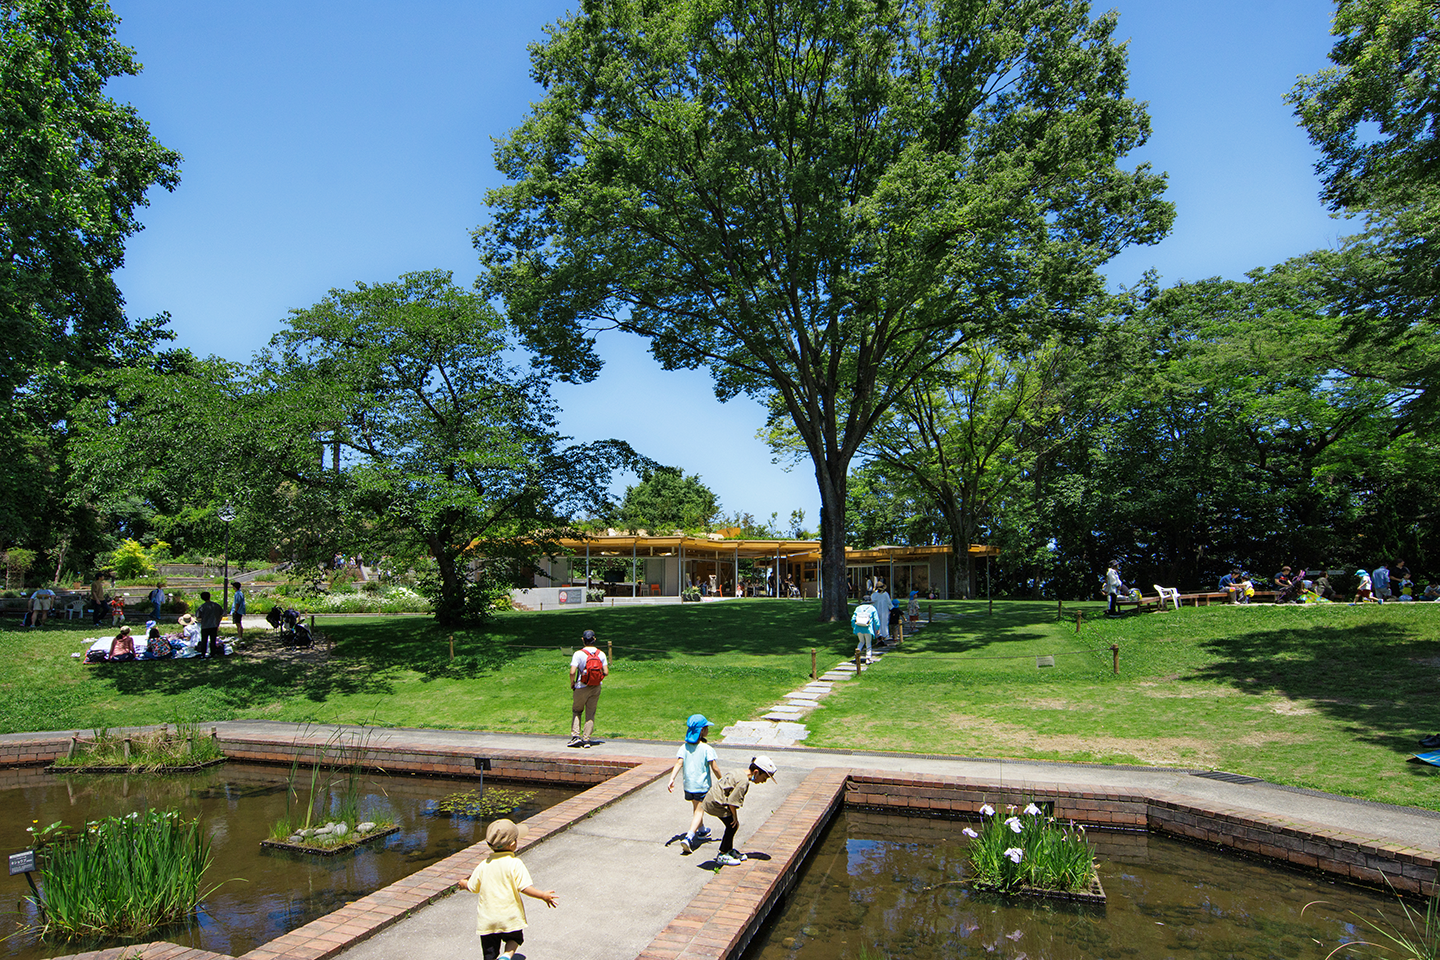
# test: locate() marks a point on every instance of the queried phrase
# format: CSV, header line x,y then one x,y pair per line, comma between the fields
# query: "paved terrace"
x,y
626,891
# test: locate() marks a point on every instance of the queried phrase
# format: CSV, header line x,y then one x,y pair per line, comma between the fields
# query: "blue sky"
x,y
327,143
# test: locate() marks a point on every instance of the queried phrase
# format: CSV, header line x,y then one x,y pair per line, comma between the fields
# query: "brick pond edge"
x,y
720,921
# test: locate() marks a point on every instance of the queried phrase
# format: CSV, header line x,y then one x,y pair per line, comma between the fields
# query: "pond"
x,y
870,890
263,893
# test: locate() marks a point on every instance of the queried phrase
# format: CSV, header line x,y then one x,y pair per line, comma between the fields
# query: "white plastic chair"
x,y
75,609
1170,594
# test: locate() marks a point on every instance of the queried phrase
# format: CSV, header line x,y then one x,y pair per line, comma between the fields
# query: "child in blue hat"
x,y
698,762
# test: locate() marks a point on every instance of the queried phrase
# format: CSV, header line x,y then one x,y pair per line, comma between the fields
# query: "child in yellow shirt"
x,y
500,879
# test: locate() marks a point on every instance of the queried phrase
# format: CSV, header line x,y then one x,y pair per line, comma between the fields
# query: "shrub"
x,y
131,561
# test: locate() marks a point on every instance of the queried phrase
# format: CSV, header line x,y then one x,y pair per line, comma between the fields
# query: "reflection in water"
x,y
876,886
262,894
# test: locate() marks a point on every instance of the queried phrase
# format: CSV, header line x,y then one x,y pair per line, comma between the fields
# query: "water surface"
x,y
264,893
879,885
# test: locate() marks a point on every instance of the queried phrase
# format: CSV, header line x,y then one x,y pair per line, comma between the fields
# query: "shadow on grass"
x,y
366,659
370,655
1376,679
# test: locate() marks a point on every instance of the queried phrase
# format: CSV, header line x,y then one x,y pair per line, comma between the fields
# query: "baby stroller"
x,y
293,632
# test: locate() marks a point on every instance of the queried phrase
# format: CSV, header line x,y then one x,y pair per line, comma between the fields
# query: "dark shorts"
x,y
490,943
694,796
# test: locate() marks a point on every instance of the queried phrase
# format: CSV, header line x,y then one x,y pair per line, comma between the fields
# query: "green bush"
x,y
131,560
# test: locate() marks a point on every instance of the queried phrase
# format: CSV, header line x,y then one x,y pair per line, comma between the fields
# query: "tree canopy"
x,y
819,202
666,499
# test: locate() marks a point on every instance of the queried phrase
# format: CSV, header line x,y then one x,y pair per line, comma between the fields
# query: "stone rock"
x,y
340,829
365,827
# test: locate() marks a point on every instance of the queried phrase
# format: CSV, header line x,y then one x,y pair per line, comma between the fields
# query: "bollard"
x,y
609,651
991,610
127,748
452,646
1059,608
74,745
930,613
1115,649
813,674
858,666
1079,616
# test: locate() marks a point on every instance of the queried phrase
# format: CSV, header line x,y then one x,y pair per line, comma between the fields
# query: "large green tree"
x,y
443,444
666,499
818,200
75,166
1375,115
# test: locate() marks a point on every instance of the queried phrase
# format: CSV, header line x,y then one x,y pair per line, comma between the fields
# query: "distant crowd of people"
x,y
1385,583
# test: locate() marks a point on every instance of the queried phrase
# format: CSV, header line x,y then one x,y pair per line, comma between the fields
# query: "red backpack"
x,y
594,670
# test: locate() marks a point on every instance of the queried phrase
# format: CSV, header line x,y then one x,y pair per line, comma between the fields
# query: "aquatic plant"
x,y
144,752
495,802
339,762
1415,937
120,876
1029,849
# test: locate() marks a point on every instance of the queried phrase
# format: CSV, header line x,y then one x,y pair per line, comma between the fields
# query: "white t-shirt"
x,y
578,661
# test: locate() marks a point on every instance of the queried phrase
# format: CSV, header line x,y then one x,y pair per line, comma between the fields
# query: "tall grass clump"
x,y
121,876
336,785
149,751
1029,849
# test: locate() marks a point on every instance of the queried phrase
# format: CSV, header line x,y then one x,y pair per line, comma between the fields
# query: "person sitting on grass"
x,y
122,648
724,800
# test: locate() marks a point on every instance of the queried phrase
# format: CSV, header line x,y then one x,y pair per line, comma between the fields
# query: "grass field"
x,y
1330,697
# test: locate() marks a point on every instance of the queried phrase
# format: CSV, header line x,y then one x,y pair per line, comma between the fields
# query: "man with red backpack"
x,y
588,669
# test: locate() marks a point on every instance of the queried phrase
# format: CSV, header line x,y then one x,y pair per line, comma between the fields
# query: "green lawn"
x,y
1330,697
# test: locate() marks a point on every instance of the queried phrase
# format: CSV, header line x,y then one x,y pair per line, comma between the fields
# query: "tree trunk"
x,y
834,597
451,609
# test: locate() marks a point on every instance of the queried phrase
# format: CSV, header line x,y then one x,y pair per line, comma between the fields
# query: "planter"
x,y
352,841
187,768
1093,895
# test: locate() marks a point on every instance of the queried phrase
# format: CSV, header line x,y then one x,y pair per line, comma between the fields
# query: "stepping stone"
x,y
839,676
847,666
818,687
783,714
803,698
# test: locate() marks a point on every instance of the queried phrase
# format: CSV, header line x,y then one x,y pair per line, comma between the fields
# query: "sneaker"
x,y
687,843
586,743
575,741
702,833
729,859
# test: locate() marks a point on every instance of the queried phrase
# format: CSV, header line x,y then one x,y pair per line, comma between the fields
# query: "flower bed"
x,y
1031,854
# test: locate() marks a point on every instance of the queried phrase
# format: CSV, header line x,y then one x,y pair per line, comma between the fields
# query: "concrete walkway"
x,y
622,879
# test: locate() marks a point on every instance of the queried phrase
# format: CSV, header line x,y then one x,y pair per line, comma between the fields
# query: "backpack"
x,y
594,670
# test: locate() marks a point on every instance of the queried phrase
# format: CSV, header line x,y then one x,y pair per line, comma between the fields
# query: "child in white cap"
x,y
500,879
726,797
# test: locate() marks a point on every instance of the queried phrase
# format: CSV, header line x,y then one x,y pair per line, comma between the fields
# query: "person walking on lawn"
x,y
588,669
237,613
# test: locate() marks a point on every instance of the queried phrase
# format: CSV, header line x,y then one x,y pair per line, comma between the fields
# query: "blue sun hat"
x,y
694,727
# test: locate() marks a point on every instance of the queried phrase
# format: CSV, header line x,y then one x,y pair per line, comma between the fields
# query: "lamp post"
x,y
226,514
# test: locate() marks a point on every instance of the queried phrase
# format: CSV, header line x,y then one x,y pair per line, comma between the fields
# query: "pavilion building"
x,y
642,566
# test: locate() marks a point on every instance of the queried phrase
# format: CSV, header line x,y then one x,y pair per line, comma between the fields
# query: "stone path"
x,y
781,725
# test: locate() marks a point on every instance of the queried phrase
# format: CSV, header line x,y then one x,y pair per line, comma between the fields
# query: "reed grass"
x,y
1029,849
121,876
150,751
